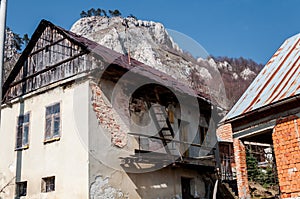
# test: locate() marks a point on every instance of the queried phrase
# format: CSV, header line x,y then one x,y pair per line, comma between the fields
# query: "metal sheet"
x,y
278,80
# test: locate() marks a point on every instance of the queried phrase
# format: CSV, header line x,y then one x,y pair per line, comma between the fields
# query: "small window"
x,y
21,188
48,184
52,122
22,131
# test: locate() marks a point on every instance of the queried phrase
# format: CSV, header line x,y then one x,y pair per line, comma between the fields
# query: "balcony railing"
x,y
179,151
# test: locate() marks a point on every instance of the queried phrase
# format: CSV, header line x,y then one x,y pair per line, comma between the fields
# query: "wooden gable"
x,y
51,55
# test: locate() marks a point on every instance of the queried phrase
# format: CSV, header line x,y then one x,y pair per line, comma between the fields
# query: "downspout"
x,y
215,190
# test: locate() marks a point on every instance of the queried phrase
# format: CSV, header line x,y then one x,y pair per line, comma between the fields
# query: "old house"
x,y
80,120
268,113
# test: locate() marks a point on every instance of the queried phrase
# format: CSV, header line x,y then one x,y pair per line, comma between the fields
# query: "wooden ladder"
x,y
162,123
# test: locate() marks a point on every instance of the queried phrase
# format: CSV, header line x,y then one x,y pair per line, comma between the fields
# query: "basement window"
x,y
48,184
21,189
22,131
53,124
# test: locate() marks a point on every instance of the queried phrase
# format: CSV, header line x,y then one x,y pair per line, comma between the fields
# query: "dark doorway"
x,y
186,188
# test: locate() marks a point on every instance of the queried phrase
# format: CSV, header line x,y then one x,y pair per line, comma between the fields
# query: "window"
x,y
52,122
203,133
186,188
48,184
22,131
21,188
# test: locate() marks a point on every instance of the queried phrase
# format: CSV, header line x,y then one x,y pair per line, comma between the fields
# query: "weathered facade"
x,y
80,120
268,112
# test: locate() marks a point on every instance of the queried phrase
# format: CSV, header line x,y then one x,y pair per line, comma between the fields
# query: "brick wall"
x,y
287,152
107,117
241,169
224,133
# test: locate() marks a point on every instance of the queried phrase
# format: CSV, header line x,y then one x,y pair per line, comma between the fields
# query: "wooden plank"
x,y
48,68
46,46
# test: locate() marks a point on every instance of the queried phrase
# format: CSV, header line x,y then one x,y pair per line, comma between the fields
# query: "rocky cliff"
x,y
11,54
221,80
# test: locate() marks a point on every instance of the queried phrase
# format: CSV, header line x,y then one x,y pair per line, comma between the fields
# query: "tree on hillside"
x,y
104,13
95,12
18,41
26,39
98,12
132,16
91,12
114,13
83,14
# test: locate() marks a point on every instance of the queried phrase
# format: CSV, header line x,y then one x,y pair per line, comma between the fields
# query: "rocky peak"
x,y
150,43
11,54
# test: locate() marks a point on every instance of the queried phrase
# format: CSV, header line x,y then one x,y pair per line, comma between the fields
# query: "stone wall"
x,y
287,151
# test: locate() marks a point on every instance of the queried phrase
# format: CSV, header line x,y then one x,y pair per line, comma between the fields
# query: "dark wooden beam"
x,y
47,46
48,68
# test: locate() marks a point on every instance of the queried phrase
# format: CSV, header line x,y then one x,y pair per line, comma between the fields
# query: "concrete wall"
x,y
66,159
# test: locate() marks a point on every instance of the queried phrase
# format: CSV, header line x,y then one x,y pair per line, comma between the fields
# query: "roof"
x,y
107,55
278,81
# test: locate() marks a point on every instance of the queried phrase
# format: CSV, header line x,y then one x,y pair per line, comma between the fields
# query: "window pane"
x,y
48,110
26,118
48,184
48,128
52,121
19,137
56,108
56,126
20,120
25,135
21,188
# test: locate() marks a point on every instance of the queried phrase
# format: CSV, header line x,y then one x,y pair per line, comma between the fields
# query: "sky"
x,y
253,29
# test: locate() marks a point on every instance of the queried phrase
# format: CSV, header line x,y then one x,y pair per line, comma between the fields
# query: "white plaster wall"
x,y
66,159
110,178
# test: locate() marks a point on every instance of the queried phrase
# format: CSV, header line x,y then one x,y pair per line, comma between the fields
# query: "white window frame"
x,y
21,127
52,117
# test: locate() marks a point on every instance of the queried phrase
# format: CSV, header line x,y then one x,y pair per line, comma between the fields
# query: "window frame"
x,y
52,116
18,188
45,186
22,146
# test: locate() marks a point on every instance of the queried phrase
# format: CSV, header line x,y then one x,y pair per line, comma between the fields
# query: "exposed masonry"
x,y
224,133
108,118
287,150
241,168
100,189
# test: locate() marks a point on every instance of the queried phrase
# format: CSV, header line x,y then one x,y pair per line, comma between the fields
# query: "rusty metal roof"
x,y
278,81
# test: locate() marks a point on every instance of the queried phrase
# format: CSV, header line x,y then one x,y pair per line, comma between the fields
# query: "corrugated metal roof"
x,y
278,80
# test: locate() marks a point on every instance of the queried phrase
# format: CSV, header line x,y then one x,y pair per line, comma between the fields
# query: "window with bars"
x,y
21,189
48,184
22,131
52,129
